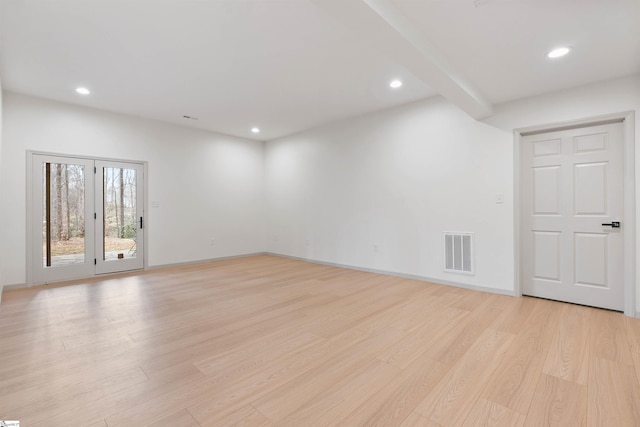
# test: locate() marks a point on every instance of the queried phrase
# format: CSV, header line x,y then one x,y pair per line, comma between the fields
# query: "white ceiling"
x,y
290,65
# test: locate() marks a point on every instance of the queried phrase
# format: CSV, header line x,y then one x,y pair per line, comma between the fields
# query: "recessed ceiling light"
x,y
557,53
255,130
83,91
395,84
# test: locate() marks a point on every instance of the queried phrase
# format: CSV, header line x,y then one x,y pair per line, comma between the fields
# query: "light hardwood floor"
x,y
268,341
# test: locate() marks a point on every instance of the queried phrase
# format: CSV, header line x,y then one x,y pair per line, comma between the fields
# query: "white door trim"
x,y
628,122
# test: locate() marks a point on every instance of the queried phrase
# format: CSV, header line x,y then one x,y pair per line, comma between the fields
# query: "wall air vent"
x,y
458,252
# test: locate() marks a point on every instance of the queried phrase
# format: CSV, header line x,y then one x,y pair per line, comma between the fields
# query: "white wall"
x,y
208,185
397,179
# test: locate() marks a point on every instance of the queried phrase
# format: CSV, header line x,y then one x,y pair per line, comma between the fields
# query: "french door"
x,y
87,217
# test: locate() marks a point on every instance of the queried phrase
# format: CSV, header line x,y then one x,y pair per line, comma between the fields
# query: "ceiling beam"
x,y
382,25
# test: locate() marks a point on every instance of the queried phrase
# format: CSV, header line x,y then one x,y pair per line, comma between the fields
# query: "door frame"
x,y
629,230
29,207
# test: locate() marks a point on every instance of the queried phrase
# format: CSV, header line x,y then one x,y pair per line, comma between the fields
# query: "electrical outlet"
x,y
375,248
213,242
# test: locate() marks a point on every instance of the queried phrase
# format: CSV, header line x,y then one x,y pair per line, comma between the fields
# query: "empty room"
x,y
319,213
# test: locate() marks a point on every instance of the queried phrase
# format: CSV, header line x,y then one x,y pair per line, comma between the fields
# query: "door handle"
x,y
613,224
141,223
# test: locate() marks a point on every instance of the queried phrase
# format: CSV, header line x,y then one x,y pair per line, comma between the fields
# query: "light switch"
x,y
499,198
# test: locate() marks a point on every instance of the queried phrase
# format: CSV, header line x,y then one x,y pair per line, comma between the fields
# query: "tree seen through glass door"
x,y
120,213
63,241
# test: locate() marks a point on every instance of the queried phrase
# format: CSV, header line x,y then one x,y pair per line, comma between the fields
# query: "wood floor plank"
x,y
455,394
13,354
515,314
181,418
71,365
262,350
238,391
568,356
405,316
354,315
471,301
86,412
416,420
486,413
174,374
608,337
299,304
450,347
613,394
636,364
39,401
633,333
514,380
211,345
246,416
421,339
391,405
292,395
48,403
335,402
557,402
153,408
262,362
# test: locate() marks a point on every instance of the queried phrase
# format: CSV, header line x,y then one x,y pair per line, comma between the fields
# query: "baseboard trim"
x,y
402,275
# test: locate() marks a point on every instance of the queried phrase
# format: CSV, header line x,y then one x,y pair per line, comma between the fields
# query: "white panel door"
x,y
572,185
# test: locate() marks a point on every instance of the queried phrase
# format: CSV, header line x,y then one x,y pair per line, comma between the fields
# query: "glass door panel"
x,y
120,221
63,229
120,214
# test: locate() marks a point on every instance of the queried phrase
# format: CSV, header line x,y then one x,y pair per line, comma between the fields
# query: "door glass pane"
x,y
120,213
63,241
